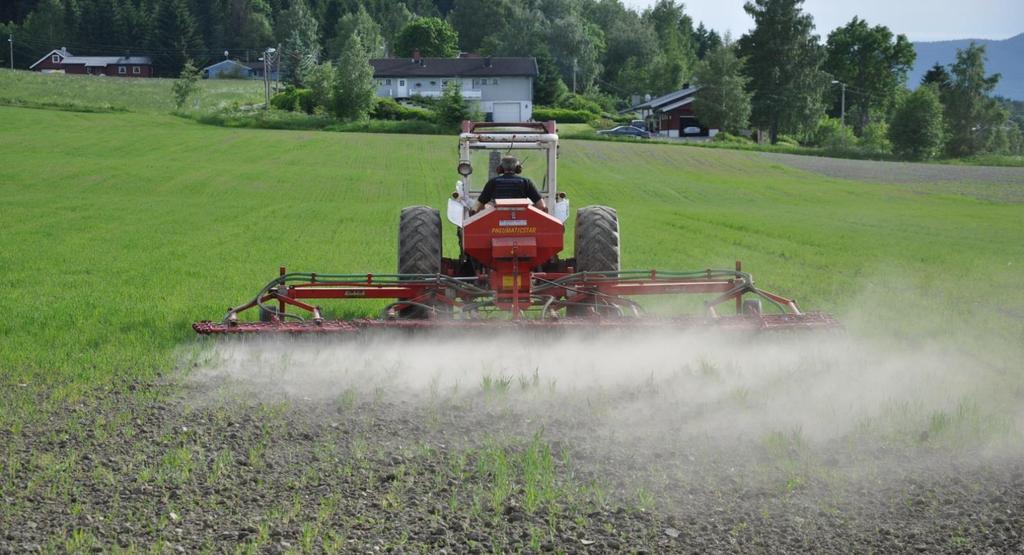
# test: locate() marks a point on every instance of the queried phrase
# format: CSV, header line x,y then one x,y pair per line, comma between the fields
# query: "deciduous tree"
x,y
353,82
972,116
916,130
874,64
431,35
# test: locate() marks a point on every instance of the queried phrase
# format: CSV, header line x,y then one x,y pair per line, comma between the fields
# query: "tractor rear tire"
x,y
419,248
597,247
597,239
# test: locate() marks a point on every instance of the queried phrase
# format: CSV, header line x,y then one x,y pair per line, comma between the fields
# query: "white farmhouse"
x,y
502,87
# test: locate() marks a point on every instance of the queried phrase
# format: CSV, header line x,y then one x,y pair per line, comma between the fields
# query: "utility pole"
x,y
277,58
10,39
269,56
842,108
574,76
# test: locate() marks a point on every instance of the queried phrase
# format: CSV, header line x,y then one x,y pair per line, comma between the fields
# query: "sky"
x,y
920,20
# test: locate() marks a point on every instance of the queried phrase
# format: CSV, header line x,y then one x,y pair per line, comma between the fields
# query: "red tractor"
x,y
508,272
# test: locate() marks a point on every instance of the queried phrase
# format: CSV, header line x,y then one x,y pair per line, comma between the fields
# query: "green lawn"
x,y
121,229
137,95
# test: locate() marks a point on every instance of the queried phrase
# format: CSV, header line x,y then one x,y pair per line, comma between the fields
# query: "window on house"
x,y
418,84
494,81
433,83
136,70
387,81
401,82
444,82
121,70
55,58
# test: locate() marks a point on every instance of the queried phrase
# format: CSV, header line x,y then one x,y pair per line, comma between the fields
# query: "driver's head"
x,y
509,165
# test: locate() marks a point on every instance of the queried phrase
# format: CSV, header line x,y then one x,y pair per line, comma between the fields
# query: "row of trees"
x,y
779,77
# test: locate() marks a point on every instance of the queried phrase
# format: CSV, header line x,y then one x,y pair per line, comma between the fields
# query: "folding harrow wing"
x,y
566,301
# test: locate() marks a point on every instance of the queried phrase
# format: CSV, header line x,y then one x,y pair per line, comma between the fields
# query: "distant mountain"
x,y
1004,56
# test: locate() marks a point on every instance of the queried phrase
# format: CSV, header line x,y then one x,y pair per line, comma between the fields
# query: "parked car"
x,y
625,131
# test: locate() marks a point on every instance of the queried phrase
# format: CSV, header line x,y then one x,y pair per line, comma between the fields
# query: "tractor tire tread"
x,y
419,241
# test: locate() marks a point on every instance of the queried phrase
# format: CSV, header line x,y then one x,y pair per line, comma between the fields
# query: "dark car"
x,y
625,131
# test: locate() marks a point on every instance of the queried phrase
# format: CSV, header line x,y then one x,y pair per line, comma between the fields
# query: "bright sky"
x,y
920,20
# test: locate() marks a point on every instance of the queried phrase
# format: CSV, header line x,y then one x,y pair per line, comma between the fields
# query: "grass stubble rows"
x,y
120,229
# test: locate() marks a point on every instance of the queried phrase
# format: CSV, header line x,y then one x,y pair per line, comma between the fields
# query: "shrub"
x,y
874,141
830,134
730,139
389,110
294,100
563,115
579,103
916,131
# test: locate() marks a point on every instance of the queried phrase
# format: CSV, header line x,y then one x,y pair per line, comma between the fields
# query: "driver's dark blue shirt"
x,y
508,186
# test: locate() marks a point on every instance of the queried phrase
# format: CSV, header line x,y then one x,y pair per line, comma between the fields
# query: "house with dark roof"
x,y
502,88
62,61
672,115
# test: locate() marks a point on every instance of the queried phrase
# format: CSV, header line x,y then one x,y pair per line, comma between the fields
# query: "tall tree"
x,y
249,22
678,51
353,82
297,31
475,20
577,47
972,116
706,39
175,38
48,27
784,64
548,87
874,63
358,24
723,101
938,76
431,35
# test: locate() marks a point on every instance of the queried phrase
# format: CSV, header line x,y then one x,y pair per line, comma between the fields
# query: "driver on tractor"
x,y
509,184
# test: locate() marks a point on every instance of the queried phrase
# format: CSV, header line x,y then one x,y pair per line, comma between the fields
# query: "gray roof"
x,y
454,67
103,61
230,62
671,98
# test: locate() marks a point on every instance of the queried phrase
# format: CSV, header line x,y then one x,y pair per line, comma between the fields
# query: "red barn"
x,y
672,115
62,61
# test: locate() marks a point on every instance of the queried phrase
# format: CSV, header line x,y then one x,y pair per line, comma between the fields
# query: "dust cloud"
x,y
820,386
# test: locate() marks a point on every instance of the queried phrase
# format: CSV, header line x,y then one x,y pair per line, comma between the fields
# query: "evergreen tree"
x,y
938,76
706,39
452,109
723,102
249,22
784,65
297,31
353,83
48,27
175,39
548,87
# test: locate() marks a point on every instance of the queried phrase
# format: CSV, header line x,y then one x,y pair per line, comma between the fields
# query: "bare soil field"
x,y
1001,184
699,448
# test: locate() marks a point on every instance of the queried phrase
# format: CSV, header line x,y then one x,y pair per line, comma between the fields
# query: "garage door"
x,y
506,111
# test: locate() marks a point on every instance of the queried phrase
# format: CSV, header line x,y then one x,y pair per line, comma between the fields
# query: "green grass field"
x,y
121,229
87,92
